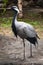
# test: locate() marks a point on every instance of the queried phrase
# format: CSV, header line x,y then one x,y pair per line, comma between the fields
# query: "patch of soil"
x,y
11,49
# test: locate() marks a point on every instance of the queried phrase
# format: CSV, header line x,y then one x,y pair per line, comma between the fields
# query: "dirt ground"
x,y
11,50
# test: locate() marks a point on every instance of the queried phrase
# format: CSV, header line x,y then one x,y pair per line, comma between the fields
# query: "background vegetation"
x,y
33,14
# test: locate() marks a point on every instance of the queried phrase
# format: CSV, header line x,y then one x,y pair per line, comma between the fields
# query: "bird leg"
x,y
24,48
31,50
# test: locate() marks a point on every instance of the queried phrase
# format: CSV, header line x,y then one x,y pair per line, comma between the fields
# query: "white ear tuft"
x,y
15,8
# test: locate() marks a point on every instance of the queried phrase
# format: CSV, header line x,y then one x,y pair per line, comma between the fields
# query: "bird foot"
x,y
24,59
30,57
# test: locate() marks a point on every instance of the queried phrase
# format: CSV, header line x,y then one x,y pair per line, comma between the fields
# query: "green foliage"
x,y
32,22
5,2
35,23
5,22
4,5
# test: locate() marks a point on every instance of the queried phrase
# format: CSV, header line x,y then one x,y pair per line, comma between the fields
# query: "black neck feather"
x,y
13,25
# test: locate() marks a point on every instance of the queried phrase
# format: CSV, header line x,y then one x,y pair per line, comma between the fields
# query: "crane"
x,y
24,31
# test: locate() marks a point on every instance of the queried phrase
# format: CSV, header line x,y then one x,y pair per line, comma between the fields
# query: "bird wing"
x,y
26,29
29,31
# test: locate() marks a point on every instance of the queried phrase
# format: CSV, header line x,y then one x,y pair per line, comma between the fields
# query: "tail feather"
x,y
32,40
37,36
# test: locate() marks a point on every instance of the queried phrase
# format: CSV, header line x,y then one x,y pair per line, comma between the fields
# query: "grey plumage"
x,y
24,30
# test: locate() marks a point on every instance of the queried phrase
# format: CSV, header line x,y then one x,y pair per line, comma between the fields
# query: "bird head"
x,y
15,8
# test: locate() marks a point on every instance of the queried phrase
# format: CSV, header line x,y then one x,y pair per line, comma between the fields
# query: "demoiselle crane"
x,y
24,30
